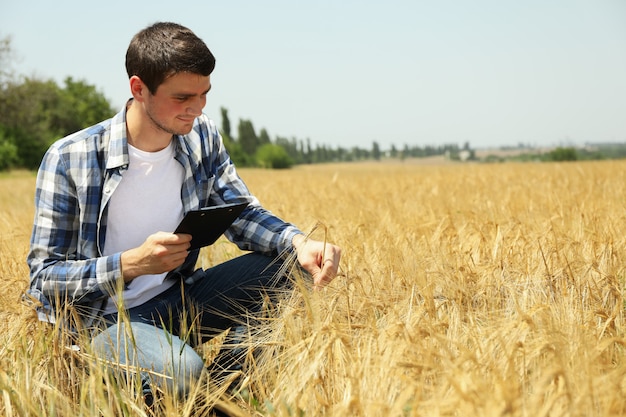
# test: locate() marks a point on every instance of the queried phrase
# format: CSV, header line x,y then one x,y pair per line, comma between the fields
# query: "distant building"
x,y
465,155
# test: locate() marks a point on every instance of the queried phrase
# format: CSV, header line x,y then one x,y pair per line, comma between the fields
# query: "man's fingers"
x,y
320,259
328,271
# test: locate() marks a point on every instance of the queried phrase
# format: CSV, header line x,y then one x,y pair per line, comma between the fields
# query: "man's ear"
x,y
137,88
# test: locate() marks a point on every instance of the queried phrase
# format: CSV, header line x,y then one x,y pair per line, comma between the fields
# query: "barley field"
x,y
464,290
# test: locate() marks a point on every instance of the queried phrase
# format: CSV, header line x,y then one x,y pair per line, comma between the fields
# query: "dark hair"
x,y
165,49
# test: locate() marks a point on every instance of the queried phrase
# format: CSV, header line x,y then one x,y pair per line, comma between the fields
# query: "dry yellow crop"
x,y
464,290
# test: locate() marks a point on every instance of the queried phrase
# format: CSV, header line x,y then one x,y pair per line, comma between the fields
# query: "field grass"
x,y
464,290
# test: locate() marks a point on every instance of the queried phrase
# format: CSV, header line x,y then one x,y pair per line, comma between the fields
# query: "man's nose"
x,y
196,106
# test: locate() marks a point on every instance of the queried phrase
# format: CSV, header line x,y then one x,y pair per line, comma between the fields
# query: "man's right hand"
x,y
161,252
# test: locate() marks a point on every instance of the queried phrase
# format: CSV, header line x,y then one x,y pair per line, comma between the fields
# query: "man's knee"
x,y
162,358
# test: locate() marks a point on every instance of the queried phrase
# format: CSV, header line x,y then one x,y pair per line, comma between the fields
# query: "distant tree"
x,y
406,152
264,137
342,154
237,155
309,152
225,122
25,118
273,156
293,147
36,112
247,138
81,105
301,152
7,57
563,154
8,152
376,151
393,152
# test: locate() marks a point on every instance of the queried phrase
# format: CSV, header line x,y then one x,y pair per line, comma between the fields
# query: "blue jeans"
x,y
158,337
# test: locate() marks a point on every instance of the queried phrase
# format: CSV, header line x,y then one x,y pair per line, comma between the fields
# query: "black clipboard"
x,y
207,224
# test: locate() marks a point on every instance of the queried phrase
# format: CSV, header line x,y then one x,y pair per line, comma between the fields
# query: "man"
x,y
109,197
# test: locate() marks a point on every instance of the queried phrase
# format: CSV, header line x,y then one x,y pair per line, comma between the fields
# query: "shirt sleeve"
x,y
63,259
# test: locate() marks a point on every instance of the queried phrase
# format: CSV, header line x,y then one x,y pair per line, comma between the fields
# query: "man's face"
x,y
177,102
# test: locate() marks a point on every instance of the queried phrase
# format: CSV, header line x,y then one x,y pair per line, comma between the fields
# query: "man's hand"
x,y
320,259
161,252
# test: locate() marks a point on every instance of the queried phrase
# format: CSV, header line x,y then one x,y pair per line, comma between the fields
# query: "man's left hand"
x,y
320,259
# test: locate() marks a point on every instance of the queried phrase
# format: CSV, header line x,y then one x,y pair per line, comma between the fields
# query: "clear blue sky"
x,y
347,73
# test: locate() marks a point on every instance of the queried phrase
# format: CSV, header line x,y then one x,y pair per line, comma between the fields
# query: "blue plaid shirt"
x,y
76,179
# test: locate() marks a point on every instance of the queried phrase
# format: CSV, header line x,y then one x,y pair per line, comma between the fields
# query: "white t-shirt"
x,y
146,201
